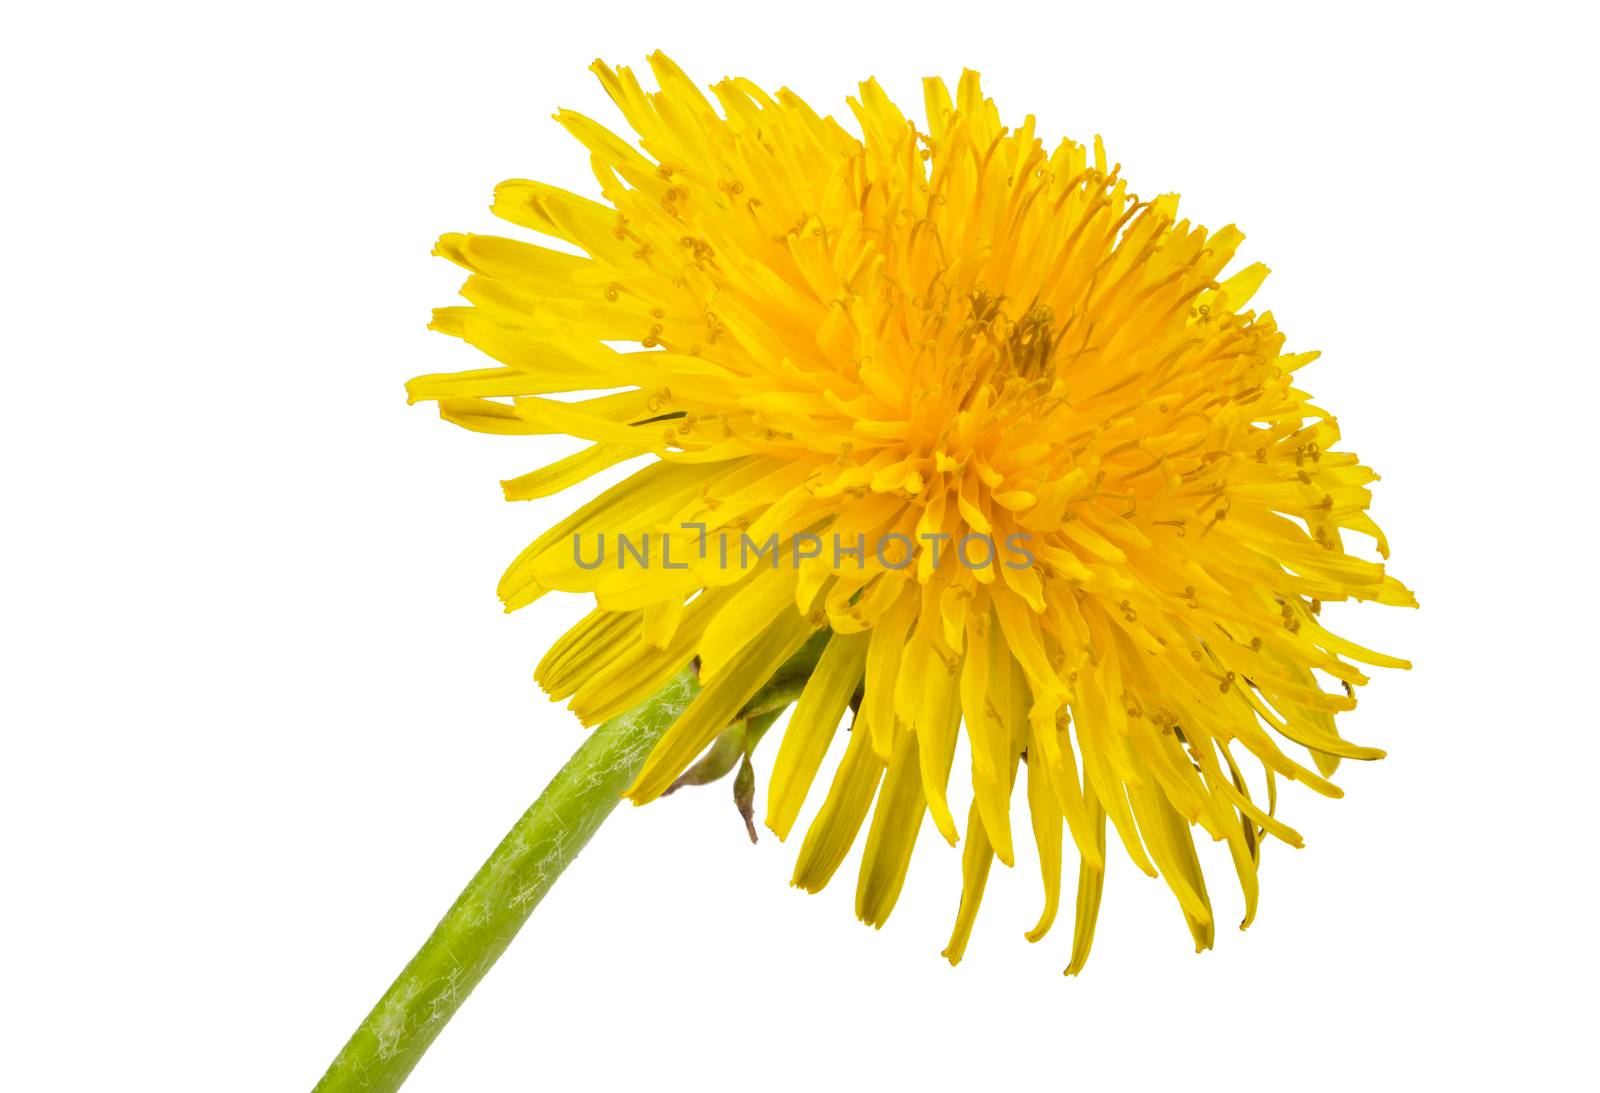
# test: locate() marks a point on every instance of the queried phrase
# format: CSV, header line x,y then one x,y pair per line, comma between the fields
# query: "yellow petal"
x,y
831,834
1046,815
893,834
1091,879
816,717
557,476
976,860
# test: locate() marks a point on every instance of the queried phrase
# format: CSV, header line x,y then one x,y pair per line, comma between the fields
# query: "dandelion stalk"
x,y
499,899
493,907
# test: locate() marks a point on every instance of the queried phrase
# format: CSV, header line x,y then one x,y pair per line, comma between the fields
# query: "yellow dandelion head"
x,y
965,427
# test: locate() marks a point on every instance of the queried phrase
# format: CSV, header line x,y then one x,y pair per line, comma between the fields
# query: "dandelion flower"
x,y
1113,516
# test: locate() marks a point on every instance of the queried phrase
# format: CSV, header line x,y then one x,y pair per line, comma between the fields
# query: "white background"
x,y
263,715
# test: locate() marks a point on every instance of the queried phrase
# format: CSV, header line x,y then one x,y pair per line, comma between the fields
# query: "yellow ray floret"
x,y
1112,516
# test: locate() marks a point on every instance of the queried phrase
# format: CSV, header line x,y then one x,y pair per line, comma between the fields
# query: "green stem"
x,y
493,907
